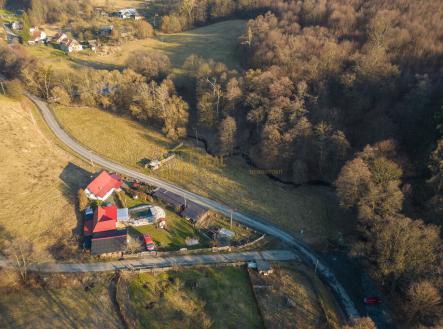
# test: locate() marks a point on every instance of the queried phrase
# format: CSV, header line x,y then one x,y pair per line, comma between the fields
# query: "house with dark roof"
x,y
109,242
170,198
194,212
190,210
103,186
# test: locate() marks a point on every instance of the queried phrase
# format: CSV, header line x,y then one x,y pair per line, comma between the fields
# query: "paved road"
x,y
253,222
152,262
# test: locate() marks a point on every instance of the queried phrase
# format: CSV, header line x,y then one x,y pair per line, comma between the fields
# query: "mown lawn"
x,y
196,298
312,209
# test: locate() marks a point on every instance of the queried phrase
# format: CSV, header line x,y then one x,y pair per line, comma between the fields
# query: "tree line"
x,y
148,98
186,14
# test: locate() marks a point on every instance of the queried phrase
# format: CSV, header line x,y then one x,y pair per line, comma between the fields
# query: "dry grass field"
x,y
195,298
312,209
120,3
70,306
38,183
293,297
217,41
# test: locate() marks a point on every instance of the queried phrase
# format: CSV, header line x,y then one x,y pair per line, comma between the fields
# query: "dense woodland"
x,y
347,93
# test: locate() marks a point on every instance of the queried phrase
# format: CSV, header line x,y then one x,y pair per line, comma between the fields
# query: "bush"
x,y
83,201
143,30
171,24
14,88
60,96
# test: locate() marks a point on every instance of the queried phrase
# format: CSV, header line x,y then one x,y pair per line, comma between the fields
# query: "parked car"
x,y
371,300
149,243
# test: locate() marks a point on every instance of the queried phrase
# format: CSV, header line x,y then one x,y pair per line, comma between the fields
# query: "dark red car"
x,y
371,300
149,243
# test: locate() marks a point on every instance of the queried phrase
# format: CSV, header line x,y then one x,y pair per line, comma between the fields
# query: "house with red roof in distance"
x,y
103,186
102,230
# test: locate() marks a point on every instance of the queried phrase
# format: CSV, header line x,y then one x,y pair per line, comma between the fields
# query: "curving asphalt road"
x,y
303,251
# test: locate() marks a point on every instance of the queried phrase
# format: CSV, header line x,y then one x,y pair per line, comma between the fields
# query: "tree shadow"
x,y
73,178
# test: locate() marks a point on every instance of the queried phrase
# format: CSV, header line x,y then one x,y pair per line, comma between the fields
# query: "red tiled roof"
x,y
103,183
105,219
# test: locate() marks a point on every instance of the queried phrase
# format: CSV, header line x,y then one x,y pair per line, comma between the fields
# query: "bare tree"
x,y
20,253
134,245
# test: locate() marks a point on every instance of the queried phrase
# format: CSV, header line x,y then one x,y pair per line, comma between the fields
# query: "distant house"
x,y
126,13
36,36
70,45
103,186
16,26
59,37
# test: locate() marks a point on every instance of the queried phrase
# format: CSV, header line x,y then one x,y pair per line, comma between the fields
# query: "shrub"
x,y
83,201
14,88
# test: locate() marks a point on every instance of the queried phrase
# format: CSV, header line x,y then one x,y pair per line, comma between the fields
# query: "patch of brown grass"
x,y
38,183
293,297
71,306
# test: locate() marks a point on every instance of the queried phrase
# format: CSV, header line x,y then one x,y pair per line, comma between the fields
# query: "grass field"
x,y
217,41
295,298
119,3
312,209
38,183
196,298
67,307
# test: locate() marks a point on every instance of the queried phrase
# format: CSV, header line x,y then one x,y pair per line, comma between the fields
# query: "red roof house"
x,y
105,219
103,186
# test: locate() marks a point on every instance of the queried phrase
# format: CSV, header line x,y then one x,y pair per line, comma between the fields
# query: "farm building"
x,y
103,186
169,198
195,212
190,210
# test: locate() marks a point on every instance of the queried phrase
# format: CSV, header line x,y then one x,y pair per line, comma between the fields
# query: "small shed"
x,y
264,267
